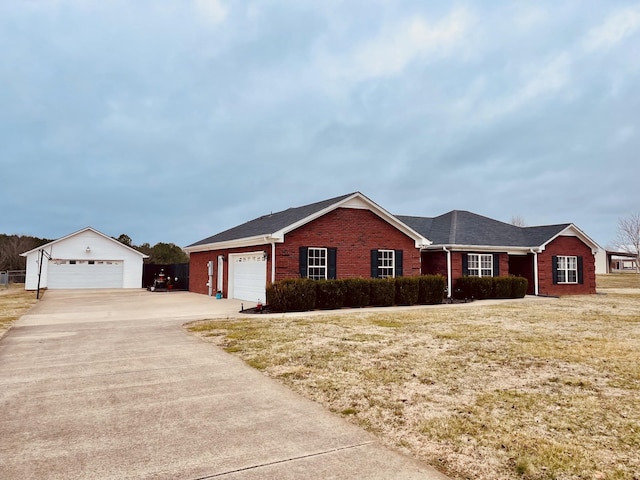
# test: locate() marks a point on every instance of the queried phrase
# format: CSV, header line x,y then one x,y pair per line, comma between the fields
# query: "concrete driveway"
x,y
106,384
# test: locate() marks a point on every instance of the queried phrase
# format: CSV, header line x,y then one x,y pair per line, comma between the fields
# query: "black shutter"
x,y
580,271
374,264
331,263
398,262
496,264
554,271
465,264
304,258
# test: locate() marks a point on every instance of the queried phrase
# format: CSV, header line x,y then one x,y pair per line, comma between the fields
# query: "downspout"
x,y
535,272
449,283
273,262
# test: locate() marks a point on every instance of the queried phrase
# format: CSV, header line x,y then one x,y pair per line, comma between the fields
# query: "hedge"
x,y
407,290
292,295
479,288
431,289
330,294
297,295
382,292
358,292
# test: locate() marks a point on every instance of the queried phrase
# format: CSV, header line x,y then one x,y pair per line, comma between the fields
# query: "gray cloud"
x,y
170,121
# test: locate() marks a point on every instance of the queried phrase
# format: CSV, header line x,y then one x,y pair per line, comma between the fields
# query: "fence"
x,y
12,276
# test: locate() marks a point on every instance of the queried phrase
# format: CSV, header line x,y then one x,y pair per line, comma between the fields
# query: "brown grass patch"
x,y
14,302
532,389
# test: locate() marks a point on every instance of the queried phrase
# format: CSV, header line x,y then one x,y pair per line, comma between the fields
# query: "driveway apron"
x,y
107,384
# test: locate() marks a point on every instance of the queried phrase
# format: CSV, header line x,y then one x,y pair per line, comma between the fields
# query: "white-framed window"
x,y
480,264
567,269
317,263
386,263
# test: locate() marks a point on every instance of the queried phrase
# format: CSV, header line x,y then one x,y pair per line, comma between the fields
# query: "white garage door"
x,y
85,274
249,277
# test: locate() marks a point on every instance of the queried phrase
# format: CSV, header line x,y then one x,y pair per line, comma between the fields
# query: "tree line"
x,y
11,246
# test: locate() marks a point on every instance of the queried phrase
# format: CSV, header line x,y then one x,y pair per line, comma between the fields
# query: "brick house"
x,y
351,236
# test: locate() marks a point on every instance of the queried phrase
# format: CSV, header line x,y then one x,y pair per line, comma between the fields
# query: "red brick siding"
x,y
434,263
566,246
522,266
354,233
198,272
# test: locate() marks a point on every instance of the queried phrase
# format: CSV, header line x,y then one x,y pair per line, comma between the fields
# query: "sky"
x,y
170,121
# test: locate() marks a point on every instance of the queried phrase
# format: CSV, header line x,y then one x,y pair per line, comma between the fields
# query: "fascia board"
x,y
241,242
420,241
481,248
61,239
578,233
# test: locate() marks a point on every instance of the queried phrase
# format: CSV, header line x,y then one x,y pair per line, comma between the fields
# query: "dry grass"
x,y
618,280
532,389
14,302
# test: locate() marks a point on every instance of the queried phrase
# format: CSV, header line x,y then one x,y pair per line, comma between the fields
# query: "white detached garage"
x,y
84,259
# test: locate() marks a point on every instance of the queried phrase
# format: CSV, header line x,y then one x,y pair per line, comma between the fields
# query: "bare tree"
x,y
628,239
518,221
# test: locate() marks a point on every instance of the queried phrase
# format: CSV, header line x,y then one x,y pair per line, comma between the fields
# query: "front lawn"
x,y
527,389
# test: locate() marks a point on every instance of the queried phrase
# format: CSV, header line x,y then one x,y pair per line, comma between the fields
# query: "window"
x,y
567,269
317,263
480,265
386,263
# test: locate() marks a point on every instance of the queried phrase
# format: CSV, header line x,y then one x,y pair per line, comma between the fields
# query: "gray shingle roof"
x,y
271,223
457,227
460,227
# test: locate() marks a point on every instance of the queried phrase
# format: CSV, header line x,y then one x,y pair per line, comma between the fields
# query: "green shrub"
x,y
330,294
357,292
502,287
292,295
407,290
382,292
477,288
431,289
519,287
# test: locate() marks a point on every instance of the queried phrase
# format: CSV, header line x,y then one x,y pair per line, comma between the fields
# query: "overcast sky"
x,y
174,120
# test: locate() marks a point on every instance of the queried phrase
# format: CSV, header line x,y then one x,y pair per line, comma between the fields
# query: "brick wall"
x,y
566,246
354,233
198,271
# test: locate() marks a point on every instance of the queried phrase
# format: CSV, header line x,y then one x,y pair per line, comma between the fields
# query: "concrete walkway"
x,y
107,385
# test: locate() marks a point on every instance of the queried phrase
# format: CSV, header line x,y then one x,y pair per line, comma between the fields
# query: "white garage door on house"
x,y
248,277
85,274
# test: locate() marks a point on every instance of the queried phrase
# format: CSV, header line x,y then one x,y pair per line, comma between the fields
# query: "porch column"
x,y
535,272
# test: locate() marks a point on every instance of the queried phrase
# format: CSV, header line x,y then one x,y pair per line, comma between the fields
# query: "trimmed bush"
x,y
407,290
357,292
431,289
330,294
502,287
292,295
382,292
490,287
519,287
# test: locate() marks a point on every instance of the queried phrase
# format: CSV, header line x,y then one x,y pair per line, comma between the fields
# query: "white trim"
x,y
354,201
566,269
360,201
324,267
242,242
50,244
573,231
